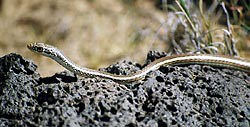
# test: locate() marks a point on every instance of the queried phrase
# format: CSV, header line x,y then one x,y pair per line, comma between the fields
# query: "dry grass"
x,y
92,33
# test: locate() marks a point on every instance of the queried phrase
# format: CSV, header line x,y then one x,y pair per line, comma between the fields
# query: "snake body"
x,y
214,60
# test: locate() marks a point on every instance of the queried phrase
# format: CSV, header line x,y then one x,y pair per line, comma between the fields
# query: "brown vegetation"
x,y
91,33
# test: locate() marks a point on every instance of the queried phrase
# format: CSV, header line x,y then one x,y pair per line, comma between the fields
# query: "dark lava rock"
x,y
192,95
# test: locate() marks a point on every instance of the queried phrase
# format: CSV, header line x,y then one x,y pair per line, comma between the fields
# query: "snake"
x,y
203,59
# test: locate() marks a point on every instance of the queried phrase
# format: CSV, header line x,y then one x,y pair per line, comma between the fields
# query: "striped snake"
x,y
213,60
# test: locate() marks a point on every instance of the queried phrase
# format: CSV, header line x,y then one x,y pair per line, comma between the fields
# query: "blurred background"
x,y
97,33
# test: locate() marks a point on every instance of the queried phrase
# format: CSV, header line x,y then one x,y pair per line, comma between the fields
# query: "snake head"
x,y
42,48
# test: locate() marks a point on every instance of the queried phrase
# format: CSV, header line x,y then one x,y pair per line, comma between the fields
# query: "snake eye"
x,y
39,49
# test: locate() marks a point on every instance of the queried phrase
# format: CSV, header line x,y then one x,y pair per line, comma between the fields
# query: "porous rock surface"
x,y
191,95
